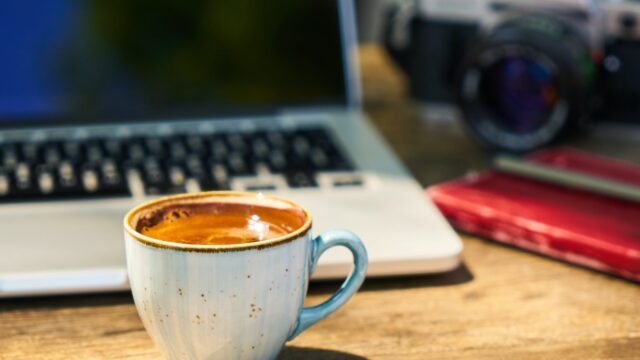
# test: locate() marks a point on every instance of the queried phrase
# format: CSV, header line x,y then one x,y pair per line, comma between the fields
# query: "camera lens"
x,y
525,85
520,93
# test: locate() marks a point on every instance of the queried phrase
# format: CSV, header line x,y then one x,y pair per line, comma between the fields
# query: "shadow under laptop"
x,y
458,276
67,300
294,352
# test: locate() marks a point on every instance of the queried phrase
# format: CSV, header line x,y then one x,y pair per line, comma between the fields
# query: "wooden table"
x,y
502,304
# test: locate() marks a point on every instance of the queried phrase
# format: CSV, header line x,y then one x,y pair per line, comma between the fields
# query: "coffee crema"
x,y
219,223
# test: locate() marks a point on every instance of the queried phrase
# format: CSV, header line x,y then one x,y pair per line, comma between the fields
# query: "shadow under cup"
x,y
233,298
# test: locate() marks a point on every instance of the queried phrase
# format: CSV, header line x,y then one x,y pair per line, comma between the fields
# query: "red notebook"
x,y
573,225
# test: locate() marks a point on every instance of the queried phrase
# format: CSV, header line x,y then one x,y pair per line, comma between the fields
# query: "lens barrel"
x,y
526,84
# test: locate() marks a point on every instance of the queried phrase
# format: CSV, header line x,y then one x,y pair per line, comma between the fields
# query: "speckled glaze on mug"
x,y
241,301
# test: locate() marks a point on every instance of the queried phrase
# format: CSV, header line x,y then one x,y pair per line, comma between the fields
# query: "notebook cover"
x,y
576,226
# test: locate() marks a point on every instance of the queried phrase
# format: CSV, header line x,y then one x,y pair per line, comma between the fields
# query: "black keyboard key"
x,y
276,139
301,179
277,161
72,151
5,184
94,153
298,158
219,150
178,150
24,179
9,156
136,151
353,182
238,166
114,148
219,173
177,176
153,177
52,154
196,145
300,146
115,188
90,180
68,180
299,162
112,176
259,149
260,188
319,159
236,142
195,167
154,146
46,180
31,152
209,184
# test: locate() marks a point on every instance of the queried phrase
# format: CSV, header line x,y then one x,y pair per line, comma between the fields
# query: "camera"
x,y
522,73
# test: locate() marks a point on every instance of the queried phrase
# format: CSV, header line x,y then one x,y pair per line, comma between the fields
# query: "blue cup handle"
x,y
311,315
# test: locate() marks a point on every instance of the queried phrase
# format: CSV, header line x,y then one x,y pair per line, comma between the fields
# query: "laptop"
x,y
104,105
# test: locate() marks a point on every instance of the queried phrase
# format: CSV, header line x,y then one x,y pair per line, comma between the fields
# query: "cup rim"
x,y
177,198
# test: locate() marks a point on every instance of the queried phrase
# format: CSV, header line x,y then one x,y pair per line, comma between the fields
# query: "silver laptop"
x,y
104,105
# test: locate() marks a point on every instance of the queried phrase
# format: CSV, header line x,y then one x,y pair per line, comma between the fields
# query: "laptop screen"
x,y
117,60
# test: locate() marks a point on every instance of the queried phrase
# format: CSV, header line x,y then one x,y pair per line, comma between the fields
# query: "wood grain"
x,y
502,304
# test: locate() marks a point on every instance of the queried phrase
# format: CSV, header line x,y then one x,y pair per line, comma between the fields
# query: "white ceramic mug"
x,y
241,301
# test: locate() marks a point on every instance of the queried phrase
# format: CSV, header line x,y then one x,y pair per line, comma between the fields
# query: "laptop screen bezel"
x,y
351,78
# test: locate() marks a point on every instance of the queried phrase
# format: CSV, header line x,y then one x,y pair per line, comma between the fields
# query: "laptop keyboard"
x,y
164,165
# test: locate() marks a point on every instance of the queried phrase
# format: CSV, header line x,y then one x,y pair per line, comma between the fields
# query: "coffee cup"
x,y
239,293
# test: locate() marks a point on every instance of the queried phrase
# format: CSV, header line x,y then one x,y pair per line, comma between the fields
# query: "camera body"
x,y
522,73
